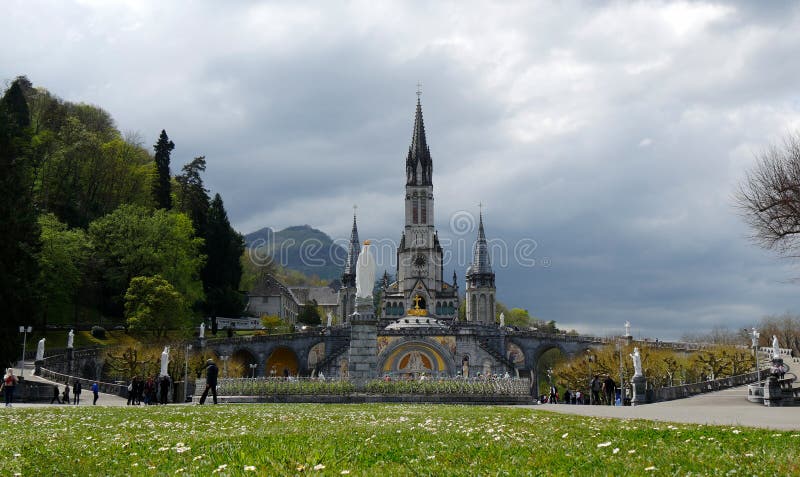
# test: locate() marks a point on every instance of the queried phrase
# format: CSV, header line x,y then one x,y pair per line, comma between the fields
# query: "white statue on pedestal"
x,y
502,319
40,350
330,319
365,272
202,330
70,338
776,350
164,361
637,362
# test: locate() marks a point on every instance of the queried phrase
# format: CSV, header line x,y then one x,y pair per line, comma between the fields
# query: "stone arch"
x,y
282,360
239,361
434,358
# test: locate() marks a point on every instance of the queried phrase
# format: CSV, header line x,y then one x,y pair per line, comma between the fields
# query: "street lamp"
x,y
24,330
253,370
224,365
186,373
755,337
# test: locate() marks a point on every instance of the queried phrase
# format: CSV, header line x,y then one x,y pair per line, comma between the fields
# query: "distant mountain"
x,y
301,248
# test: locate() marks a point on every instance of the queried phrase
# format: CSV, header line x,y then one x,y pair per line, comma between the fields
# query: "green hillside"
x,y
301,248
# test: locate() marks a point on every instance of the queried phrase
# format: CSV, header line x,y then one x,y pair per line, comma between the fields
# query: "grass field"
x,y
309,439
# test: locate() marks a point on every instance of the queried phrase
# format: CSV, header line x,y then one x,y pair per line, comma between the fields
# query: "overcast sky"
x,y
605,140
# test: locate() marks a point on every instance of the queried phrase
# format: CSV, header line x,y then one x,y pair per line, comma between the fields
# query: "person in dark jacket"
x,y
76,391
164,389
211,381
56,395
96,392
65,399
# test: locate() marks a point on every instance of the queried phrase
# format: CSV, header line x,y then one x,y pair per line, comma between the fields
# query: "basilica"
x,y
420,288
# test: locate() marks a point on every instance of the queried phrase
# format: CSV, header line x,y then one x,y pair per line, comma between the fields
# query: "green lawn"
x,y
299,439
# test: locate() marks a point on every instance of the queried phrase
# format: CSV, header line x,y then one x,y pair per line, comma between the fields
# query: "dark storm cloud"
x,y
610,135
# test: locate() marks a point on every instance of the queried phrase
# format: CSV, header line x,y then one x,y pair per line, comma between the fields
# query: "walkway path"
x,y
86,395
728,407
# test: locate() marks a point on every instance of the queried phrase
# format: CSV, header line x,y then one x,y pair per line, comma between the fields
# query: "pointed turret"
x,y
455,279
480,253
419,165
353,249
480,281
347,294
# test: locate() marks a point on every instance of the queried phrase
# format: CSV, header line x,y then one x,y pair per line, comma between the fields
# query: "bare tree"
x,y
769,198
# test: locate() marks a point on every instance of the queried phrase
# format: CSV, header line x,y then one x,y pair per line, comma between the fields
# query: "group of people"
x,y
153,390
77,389
601,391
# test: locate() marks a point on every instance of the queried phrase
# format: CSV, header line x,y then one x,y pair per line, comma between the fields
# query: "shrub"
x,y
99,332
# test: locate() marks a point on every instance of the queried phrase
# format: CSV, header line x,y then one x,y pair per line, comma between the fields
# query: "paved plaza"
x,y
728,407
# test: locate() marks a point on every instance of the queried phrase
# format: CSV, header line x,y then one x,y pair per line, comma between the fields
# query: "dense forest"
x,y
97,229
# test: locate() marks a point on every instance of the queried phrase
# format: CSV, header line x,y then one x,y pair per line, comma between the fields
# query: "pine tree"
x,y
192,195
162,186
19,242
223,270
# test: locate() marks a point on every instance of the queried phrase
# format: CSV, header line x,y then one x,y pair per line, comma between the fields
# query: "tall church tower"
x,y
420,288
347,294
480,282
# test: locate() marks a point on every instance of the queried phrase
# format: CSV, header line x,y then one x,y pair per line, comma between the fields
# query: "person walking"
x,y
65,398
76,390
9,385
212,371
55,395
163,387
96,392
608,387
595,386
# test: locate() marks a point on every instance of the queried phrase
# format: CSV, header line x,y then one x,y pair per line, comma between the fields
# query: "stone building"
x,y
271,297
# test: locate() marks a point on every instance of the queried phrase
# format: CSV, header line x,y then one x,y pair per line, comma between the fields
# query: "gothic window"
x,y
423,210
415,209
482,309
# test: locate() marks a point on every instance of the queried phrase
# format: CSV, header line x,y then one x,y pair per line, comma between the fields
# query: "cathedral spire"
x,y
480,256
353,249
419,166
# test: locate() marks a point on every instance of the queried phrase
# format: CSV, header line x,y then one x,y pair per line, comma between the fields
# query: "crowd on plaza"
x,y
600,392
150,391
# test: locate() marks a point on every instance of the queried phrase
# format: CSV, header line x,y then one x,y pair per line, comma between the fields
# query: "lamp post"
x,y
186,373
253,370
24,330
589,360
755,337
621,376
224,365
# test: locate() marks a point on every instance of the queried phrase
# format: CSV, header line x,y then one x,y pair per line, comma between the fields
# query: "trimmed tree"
x,y
153,304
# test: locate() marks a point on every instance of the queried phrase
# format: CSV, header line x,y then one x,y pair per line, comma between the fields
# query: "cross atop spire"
x,y
419,90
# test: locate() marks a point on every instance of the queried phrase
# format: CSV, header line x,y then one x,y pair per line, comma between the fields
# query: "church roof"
x,y
353,249
481,263
419,165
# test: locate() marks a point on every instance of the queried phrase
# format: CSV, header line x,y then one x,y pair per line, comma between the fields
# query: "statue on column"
x,y
365,272
502,319
202,330
330,319
637,362
164,361
776,350
70,338
40,350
